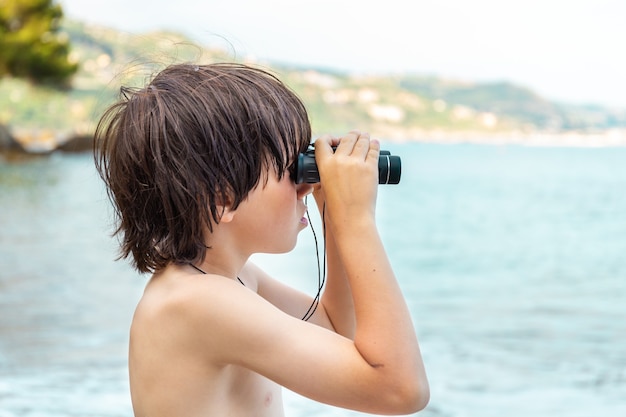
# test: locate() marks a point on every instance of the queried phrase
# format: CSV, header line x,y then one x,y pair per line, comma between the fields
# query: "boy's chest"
x,y
252,394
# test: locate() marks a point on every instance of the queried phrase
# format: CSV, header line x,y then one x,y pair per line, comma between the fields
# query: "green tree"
x,y
31,44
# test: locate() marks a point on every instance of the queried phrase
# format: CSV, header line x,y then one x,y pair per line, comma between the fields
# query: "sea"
x,y
512,260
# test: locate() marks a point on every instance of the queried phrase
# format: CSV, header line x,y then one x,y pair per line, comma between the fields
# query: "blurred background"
x,y
507,231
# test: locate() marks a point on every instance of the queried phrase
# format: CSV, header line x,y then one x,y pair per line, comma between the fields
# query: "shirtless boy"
x,y
199,166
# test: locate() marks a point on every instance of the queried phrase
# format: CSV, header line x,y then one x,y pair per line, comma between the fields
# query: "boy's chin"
x,y
288,247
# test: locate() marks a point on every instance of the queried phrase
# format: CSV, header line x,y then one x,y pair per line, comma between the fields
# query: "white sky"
x,y
565,50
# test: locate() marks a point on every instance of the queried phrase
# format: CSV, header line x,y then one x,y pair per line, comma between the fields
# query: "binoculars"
x,y
389,168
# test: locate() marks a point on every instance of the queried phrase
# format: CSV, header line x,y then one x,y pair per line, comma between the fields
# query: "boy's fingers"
x,y
347,143
323,145
374,150
354,143
362,145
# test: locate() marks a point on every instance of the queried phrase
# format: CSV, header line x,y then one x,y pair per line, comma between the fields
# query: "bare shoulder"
x,y
185,300
206,314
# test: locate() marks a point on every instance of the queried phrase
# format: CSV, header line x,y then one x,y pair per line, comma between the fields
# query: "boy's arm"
x,y
362,299
284,297
384,332
335,310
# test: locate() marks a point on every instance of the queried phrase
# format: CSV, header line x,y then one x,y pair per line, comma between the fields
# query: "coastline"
x,y
45,141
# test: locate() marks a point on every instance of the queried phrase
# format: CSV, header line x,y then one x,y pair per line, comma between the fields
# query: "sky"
x,y
569,51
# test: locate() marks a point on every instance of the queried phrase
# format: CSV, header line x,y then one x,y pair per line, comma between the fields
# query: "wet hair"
x,y
196,139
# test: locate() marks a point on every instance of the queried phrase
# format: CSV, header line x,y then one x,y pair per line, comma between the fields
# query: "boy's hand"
x,y
348,176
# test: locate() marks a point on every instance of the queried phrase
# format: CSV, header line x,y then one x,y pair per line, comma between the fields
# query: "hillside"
x,y
407,107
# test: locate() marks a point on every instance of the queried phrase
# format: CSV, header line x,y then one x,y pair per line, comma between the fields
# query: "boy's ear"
x,y
224,206
226,213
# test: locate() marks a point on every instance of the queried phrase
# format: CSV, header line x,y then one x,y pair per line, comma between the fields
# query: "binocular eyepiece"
x,y
389,168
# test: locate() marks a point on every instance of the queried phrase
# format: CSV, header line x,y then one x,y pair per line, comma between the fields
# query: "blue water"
x,y
512,259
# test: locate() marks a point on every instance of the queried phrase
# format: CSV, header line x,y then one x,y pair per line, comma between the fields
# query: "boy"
x,y
199,166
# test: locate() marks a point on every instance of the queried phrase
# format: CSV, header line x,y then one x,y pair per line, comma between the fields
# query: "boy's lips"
x,y
303,219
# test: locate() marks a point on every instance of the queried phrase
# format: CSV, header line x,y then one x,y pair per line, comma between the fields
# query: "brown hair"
x,y
196,138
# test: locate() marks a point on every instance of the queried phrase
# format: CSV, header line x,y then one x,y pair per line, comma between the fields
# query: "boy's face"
x,y
273,214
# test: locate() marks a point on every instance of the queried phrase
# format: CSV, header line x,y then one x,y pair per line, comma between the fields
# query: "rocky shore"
x,y
46,141
43,141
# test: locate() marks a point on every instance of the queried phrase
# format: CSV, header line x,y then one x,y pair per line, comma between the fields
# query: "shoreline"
x,y
46,141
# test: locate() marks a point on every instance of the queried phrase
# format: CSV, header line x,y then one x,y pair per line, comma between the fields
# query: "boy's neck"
x,y
200,270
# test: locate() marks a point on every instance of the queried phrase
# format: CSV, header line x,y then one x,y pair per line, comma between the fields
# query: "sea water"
x,y
512,260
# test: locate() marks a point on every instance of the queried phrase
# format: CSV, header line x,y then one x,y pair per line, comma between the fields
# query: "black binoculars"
x,y
389,168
